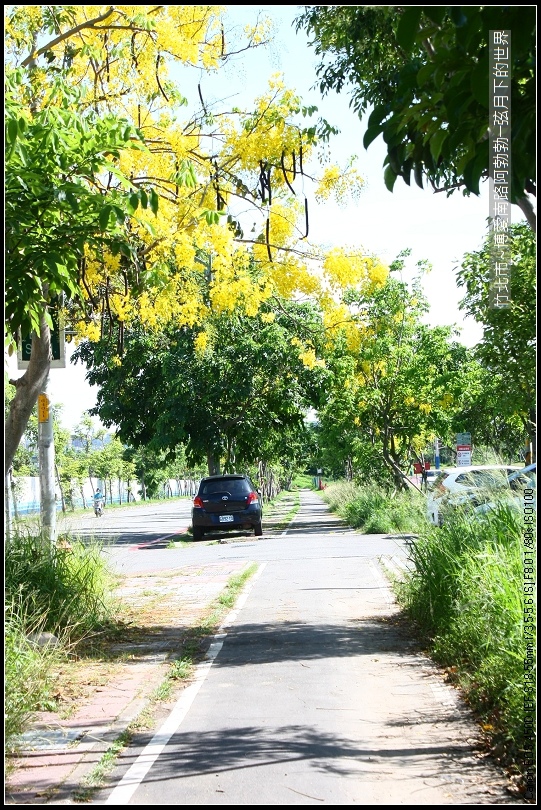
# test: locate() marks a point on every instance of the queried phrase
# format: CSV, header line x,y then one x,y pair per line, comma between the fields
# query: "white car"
x,y
522,488
465,485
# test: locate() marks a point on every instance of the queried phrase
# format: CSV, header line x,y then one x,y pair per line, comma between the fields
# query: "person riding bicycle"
x,y
98,499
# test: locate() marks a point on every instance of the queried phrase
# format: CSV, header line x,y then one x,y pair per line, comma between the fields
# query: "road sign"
x,y
463,438
58,340
463,455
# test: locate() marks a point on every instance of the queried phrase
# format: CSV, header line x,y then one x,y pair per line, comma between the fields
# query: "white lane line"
x,y
131,780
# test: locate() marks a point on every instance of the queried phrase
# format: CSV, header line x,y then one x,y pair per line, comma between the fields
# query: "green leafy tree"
x,y
423,71
107,462
508,346
55,210
241,395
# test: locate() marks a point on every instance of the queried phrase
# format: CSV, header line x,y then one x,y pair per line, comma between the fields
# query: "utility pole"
x,y
437,453
46,467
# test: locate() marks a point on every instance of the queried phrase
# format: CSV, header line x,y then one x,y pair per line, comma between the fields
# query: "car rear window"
x,y
235,486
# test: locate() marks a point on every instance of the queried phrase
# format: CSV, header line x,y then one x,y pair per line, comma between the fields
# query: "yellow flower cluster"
x,y
134,58
201,343
89,331
267,133
310,360
447,400
342,184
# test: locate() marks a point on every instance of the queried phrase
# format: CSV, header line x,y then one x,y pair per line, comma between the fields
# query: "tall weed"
x,y
373,510
71,588
62,591
466,594
27,667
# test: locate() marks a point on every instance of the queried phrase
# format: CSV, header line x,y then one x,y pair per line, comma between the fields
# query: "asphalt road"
x,y
312,693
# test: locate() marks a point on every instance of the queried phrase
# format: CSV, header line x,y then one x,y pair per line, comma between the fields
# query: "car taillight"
x,y
198,502
252,498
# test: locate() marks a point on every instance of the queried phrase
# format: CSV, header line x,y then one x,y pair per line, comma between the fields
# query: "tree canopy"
x,y
423,74
241,395
128,200
396,387
508,347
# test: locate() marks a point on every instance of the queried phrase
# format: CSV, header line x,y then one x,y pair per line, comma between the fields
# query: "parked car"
x,y
226,502
472,485
522,491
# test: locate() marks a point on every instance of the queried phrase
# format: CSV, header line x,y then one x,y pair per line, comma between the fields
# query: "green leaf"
x,y
425,74
143,197
133,203
389,177
474,170
378,114
436,143
185,175
434,13
154,202
408,28
371,134
119,214
458,16
12,130
418,174
479,79
72,201
105,213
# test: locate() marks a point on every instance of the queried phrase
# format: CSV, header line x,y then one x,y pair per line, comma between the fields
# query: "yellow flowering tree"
x,y
163,238
397,383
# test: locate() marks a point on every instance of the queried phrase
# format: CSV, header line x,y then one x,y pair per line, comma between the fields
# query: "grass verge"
x,y
375,511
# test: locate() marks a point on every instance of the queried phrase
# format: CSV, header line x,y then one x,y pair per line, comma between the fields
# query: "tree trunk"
x,y
213,464
27,389
528,210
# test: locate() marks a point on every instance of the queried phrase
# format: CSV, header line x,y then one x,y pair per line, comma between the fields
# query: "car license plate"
x,y
226,518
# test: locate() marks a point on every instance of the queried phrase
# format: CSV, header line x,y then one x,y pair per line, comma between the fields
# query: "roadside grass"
x,y
372,510
302,481
466,597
